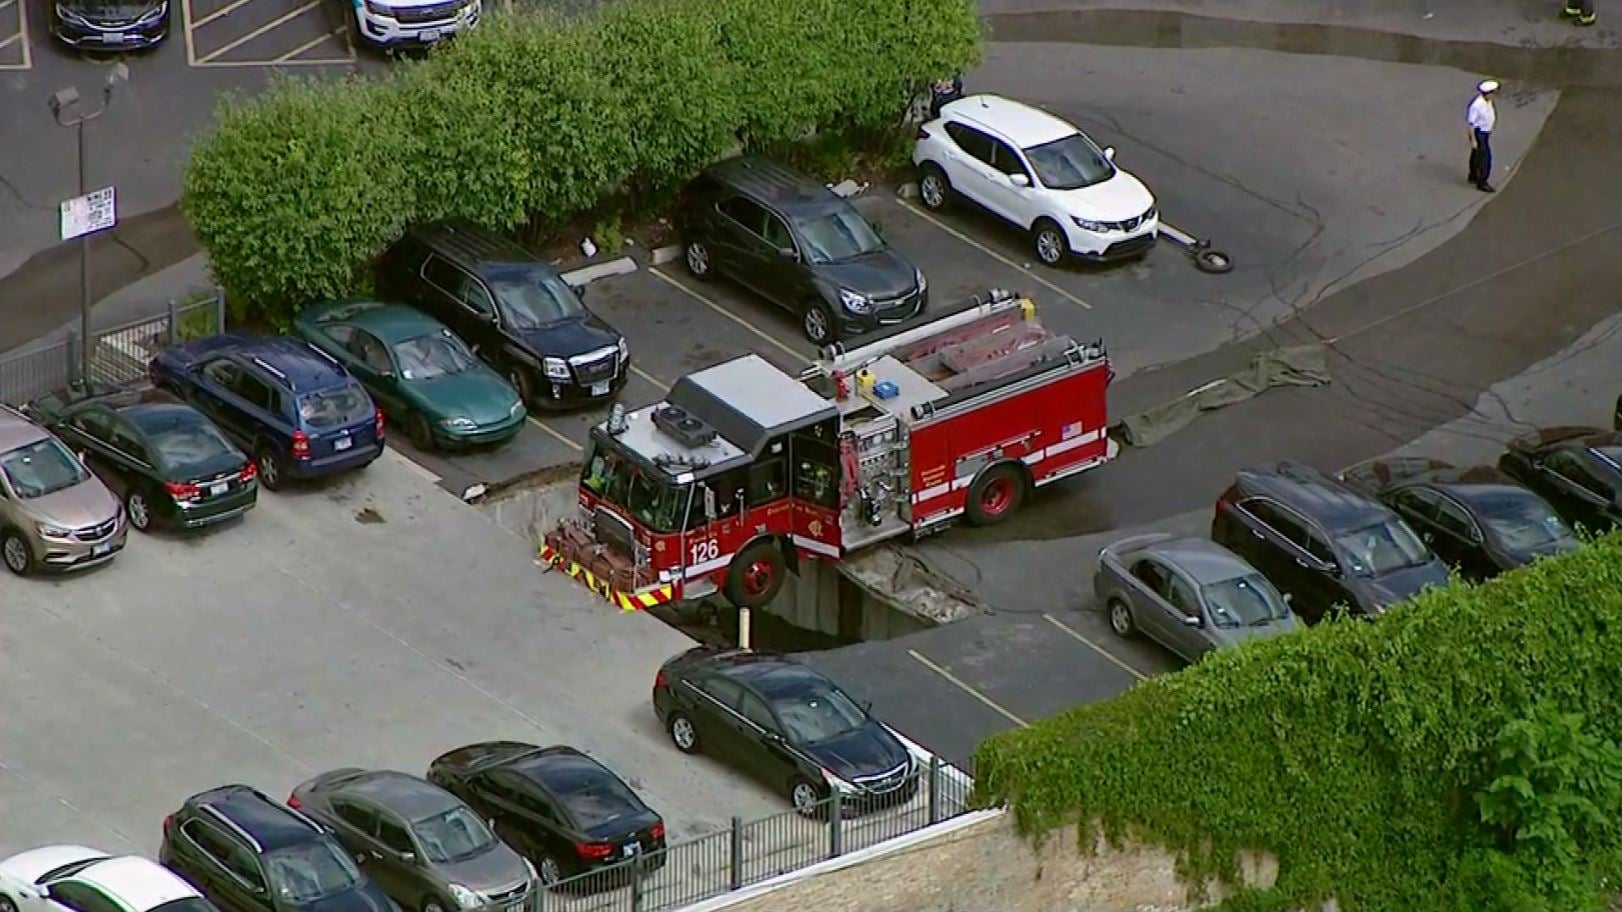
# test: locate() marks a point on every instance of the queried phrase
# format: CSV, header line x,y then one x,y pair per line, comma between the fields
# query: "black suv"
x,y
1322,543
796,243
247,853
1578,470
514,311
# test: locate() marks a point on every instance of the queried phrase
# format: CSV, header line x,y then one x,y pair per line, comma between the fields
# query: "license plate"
x,y
429,34
343,443
218,489
101,549
115,37
631,848
599,389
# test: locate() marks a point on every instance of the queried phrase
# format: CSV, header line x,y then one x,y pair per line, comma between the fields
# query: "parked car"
x,y
290,405
561,809
412,23
785,724
513,310
1578,470
1040,174
70,878
55,514
170,464
1187,594
248,853
797,244
419,372
1322,542
424,846
110,25
1479,520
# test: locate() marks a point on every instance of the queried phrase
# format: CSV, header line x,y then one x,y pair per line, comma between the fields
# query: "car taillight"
x,y
168,822
657,831
922,134
379,425
183,491
594,851
249,472
293,802
301,445
660,682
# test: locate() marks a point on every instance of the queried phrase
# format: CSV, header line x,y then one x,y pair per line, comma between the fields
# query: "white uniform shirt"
x,y
1483,114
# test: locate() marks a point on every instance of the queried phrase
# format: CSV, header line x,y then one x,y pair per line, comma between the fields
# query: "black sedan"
x,y
1578,470
561,809
786,725
1479,520
170,464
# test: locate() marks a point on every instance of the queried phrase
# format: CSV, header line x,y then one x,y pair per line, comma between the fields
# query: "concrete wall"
x,y
987,866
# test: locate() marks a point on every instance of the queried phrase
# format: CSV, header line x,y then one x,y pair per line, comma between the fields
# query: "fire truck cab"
x,y
744,470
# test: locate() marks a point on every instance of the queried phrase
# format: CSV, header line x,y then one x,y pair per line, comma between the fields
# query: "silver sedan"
x,y
1188,594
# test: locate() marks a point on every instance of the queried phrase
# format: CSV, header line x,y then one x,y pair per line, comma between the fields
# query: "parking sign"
x,y
89,213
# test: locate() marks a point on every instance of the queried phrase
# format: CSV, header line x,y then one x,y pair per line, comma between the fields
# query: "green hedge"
x,y
530,120
1457,754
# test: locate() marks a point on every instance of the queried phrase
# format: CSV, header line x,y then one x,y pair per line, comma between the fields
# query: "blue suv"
x,y
294,408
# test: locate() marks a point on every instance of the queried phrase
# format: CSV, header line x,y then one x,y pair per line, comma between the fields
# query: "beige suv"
x,y
54,514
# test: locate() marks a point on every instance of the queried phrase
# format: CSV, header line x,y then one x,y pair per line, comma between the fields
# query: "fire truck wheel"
x,y
755,575
995,496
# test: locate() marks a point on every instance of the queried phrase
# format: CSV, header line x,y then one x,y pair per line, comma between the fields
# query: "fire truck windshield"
x,y
646,496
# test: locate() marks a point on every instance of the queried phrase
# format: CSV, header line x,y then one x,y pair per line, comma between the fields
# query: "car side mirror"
x,y
84,458
360,858
1288,598
1109,152
1020,180
408,857
788,253
1193,620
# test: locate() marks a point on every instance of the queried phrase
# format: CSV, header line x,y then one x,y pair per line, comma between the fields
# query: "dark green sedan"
x,y
420,373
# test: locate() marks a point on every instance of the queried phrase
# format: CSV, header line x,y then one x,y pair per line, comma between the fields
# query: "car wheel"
x,y
1051,245
683,733
270,469
422,436
806,797
818,323
7,904
934,190
756,575
432,905
18,556
525,386
699,265
549,870
996,495
139,512
1121,621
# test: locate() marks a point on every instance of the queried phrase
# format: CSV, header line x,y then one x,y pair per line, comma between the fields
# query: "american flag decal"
x,y
1069,431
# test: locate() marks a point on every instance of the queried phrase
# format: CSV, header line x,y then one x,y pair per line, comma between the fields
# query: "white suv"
x,y
400,23
1038,172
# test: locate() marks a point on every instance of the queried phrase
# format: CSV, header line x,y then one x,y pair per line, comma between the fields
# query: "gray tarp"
x,y
1301,365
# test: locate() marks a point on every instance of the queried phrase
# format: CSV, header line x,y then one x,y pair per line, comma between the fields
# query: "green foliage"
x,y
531,120
1435,759
609,237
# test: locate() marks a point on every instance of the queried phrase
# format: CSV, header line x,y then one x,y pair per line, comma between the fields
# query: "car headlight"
x,y
378,9
517,407
625,348
923,283
458,423
533,875
556,368
464,897
50,531
1152,214
855,303
68,14
837,784
1089,224
154,14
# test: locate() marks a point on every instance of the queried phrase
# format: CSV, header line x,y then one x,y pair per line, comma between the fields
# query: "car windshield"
x,y
190,446
817,712
454,835
311,871
531,298
1382,548
1246,601
594,797
1524,524
335,407
836,235
40,468
434,355
1070,163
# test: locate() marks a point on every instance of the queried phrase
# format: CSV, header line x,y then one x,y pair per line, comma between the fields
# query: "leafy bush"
x,y
1458,753
531,120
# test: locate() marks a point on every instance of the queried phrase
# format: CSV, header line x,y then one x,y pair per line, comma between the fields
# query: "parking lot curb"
x,y
666,254
592,273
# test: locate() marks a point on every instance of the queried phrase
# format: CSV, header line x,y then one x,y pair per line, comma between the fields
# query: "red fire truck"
x,y
743,470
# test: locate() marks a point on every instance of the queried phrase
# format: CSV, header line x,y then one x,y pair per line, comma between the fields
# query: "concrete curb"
x,y
669,254
588,274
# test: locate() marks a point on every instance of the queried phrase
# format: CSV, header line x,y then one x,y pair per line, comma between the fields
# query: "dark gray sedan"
x,y
427,849
1188,594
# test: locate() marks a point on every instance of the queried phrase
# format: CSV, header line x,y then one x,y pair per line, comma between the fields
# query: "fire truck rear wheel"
x,y
996,495
756,575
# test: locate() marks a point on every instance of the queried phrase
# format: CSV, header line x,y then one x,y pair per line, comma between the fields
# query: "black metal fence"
x,y
119,356
747,853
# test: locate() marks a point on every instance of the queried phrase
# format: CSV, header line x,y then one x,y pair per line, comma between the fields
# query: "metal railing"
x,y
747,853
120,354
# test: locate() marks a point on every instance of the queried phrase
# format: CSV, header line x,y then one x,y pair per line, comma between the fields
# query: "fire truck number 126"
x,y
705,551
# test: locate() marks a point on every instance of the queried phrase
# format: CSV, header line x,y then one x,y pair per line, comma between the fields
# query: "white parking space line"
x,y
1095,647
967,689
557,434
63,801
222,11
20,39
288,57
992,253
799,358
278,21
663,386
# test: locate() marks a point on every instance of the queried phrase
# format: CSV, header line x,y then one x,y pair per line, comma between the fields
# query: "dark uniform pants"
x,y
1583,8
1481,158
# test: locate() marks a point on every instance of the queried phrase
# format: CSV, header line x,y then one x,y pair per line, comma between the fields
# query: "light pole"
x,y
63,103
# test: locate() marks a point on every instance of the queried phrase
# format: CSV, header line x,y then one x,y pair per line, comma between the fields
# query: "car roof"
x,y
293,363
404,794
1330,503
772,675
271,825
551,763
137,882
16,430
472,246
772,182
396,323
1202,559
1575,436
1019,123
